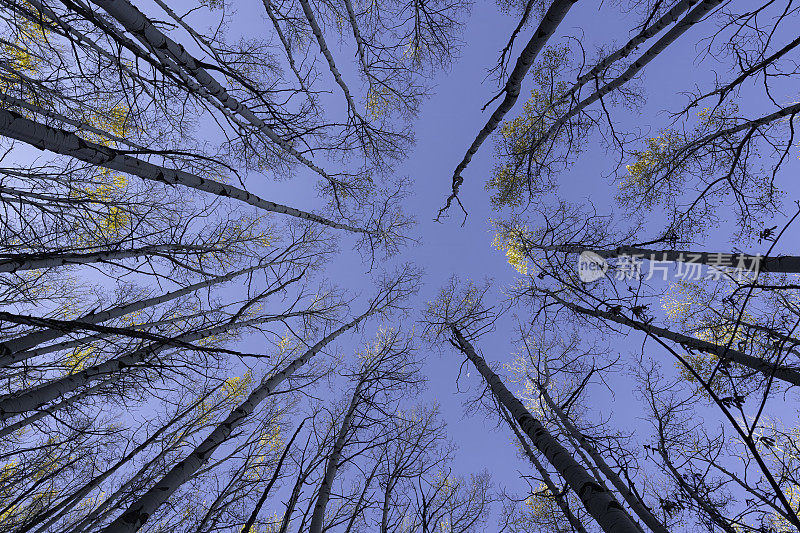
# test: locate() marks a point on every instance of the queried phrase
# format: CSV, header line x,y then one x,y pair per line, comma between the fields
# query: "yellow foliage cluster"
x,y
18,53
678,300
680,303
510,241
640,174
378,101
75,361
234,387
518,136
508,181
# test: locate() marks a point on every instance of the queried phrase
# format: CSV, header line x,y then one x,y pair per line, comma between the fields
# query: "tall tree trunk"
x,y
600,504
51,409
144,507
38,396
688,21
140,26
14,346
788,374
635,503
263,498
557,495
332,463
18,262
789,264
68,503
666,19
15,126
555,14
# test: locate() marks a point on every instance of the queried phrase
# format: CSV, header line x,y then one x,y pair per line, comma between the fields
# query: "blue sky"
x,y
447,124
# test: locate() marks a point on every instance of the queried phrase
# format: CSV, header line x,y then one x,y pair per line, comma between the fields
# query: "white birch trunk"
x,y
51,260
788,374
36,397
638,507
332,464
555,14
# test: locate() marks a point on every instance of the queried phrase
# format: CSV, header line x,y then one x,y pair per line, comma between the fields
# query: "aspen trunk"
x,y
666,19
254,515
332,464
600,504
637,505
557,495
780,264
691,18
138,25
555,14
50,260
44,137
144,507
14,346
788,374
36,397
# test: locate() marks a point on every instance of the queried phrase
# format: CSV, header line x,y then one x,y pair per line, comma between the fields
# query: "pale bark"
x,y
144,507
82,126
600,504
36,397
332,463
62,142
263,498
778,371
557,495
68,503
555,14
135,331
789,264
51,409
137,24
35,261
15,346
621,53
687,22
635,503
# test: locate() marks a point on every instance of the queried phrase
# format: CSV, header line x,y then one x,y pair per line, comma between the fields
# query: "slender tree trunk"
x,y
784,373
637,505
15,126
14,346
69,502
71,326
51,409
359,503
20,262
600,504
332,464
688,21
99,514
82,126
137,24
144,507
712,513
254,515
756,263
555,14
558,496
666,19
38,396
